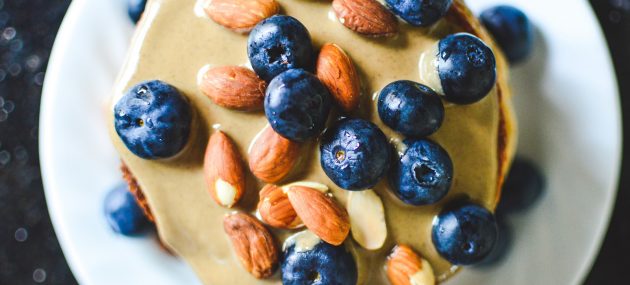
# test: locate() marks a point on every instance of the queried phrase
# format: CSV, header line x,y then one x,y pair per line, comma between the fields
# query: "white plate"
x,y
569,123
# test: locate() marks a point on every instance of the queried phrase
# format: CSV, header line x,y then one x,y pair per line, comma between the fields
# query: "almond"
x,y
234,87
405,267
253,244
336,70
224,171
320,213
275,208
303,241
271,156
367,219
240,15
367,17
308,184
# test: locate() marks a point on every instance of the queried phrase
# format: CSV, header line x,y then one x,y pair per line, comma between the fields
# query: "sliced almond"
x,y
320,213
367,219
336,70
303,241
405,267
240,15
309,184
276,210
224,171
253,244
234,87
367,17
271,156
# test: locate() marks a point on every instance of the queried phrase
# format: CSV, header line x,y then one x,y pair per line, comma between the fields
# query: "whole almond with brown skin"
x,y
253,244
336,70
405,267
223,170
276,210
234,87
320,214
240,15
271,156
367,17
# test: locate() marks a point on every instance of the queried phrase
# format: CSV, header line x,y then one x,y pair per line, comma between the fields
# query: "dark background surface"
x,y
29,251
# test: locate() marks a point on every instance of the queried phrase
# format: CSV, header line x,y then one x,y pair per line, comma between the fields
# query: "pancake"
x,y
174,42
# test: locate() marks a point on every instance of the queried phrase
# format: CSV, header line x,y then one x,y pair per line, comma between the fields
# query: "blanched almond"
x,y
367,219
308,184
303,241
224,171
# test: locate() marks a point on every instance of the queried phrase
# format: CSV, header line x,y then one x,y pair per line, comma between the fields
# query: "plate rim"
x,y
605,219
63,39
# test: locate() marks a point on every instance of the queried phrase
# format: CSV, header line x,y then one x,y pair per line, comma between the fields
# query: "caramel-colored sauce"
x,y
173,43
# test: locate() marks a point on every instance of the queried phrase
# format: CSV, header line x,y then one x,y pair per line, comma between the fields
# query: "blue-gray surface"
x,y
29,252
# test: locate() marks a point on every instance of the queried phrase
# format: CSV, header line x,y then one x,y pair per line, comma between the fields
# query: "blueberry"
x,y
420,13
135,8
324,264
355,154
502,246
153,120
464,234
523,186
122,212
423,174
410,108
466,67
512,30
297,104
277,44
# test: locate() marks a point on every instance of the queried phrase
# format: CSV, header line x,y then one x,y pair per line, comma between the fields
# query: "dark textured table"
x,y
29,252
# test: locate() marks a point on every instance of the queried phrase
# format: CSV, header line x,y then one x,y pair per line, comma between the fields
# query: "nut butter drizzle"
x,y
174,42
